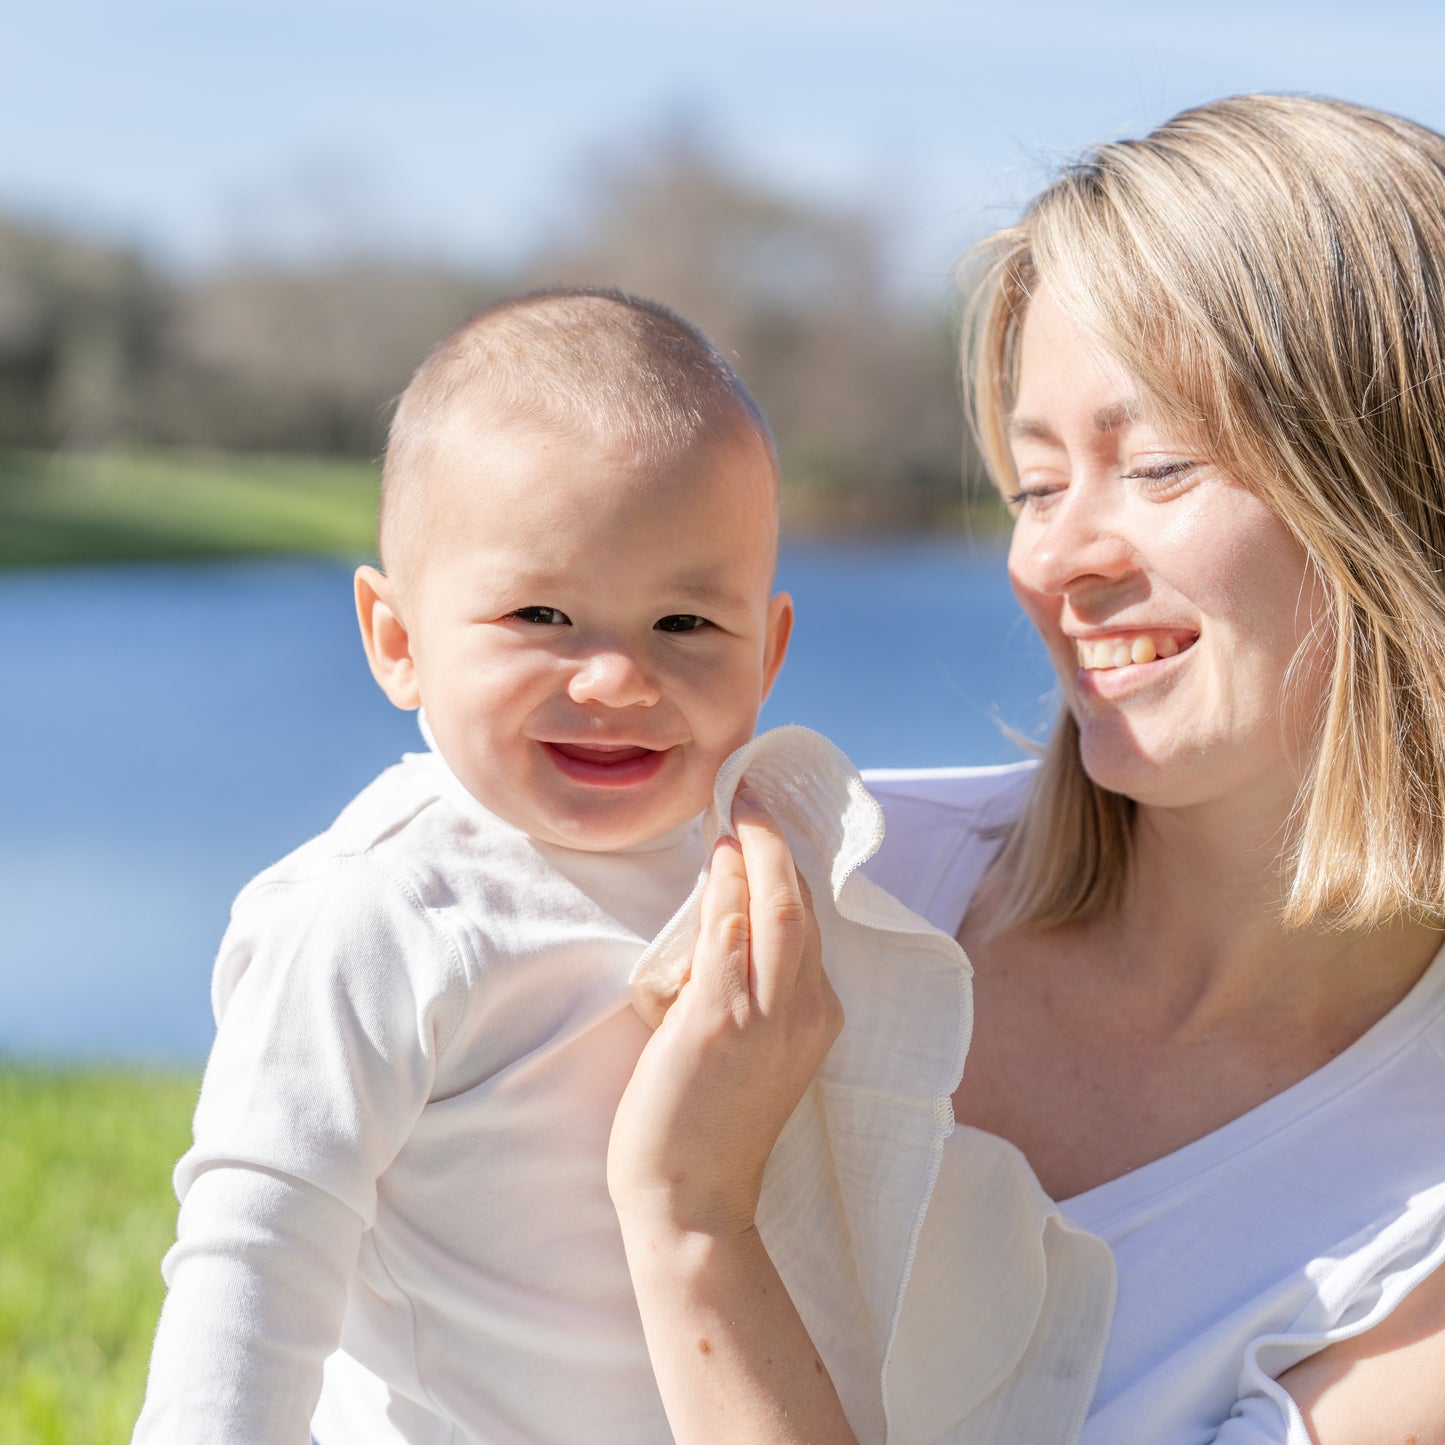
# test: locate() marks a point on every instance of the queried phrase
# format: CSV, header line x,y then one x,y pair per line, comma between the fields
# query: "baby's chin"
x,y
604,829
591,839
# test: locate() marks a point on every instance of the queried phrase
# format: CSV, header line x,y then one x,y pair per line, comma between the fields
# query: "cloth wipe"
x,y
850,1180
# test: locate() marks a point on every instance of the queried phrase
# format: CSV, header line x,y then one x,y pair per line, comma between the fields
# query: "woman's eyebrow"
x,y
1113,417
1025,428
1117,414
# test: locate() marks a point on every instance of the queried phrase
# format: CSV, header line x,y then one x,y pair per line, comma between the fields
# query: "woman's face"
x,y
1172,600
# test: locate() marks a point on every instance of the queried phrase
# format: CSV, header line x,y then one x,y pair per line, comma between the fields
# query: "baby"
x,y
394,1220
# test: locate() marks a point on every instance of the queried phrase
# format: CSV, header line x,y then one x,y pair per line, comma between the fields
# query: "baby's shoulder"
x,y
363,910
396,826
381,866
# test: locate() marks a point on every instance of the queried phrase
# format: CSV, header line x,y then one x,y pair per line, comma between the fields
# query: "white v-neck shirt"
x,y
1302,1222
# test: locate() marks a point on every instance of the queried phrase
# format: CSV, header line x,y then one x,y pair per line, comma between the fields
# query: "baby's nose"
x,y
615,678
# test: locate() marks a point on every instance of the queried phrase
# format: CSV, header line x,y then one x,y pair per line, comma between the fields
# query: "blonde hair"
x,y
613,366
1271,272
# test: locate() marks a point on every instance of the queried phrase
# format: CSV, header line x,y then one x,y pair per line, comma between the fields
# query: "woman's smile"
x,y
1122,649
1122,664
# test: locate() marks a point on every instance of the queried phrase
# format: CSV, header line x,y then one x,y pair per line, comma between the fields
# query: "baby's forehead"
x,y
478,446
532,497
601,378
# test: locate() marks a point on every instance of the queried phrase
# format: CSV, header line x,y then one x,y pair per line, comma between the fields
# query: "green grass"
x,y
86,1212
114,506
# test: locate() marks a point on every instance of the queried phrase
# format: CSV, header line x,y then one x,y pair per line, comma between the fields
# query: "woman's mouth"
x,y
607,765
1126,649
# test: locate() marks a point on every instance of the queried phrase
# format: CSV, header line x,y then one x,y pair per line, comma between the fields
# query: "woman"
x,y
1209,374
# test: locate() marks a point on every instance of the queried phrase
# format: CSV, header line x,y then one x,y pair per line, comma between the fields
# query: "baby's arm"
x,y
322,1063
257,1285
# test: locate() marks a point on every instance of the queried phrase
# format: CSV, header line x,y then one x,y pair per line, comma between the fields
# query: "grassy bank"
x,y
115,506
119,506
86,1212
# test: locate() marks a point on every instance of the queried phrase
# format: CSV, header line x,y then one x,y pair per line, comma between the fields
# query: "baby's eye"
x,y
680,622
546,616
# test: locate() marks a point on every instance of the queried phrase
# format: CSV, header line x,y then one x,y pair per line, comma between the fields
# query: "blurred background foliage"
x,y
148,388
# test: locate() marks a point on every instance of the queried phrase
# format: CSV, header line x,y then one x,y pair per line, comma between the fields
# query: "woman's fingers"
x,y
779,918
720,965
727,1065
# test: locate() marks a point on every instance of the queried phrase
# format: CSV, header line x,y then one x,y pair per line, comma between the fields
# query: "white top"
x,y
423,1031
1302,1222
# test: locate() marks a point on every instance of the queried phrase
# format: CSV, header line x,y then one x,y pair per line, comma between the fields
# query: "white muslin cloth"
x,y
984,1322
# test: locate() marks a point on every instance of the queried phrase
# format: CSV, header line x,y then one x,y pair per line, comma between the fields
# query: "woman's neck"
x,y
1200,932
1109,1042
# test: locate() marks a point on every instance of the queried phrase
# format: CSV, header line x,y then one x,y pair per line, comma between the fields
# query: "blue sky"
x,y
471,131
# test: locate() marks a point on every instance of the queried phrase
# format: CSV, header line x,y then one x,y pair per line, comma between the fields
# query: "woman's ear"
x,y
384,636
775,645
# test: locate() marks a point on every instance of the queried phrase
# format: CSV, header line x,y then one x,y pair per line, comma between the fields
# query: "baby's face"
x,y
591,635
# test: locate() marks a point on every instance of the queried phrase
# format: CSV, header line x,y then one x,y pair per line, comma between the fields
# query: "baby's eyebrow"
x,y
706,592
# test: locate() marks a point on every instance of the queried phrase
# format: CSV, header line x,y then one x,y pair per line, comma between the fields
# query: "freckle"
x,y
818,1366
703,1347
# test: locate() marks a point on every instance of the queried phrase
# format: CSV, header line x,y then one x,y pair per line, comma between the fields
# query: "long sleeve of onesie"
x,y
329,1000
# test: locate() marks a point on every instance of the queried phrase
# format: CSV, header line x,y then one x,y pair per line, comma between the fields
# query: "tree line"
x,y
101,347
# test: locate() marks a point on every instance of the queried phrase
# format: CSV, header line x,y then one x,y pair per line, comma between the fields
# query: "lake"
x,y
171,729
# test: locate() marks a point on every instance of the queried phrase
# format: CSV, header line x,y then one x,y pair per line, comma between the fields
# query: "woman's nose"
x,y
613,677
1077,543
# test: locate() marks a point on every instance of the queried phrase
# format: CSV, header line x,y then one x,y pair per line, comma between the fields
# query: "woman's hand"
x,y
711,1092
735,1052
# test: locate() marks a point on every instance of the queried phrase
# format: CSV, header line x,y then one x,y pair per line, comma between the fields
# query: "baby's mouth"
x,y
1103,654
608,765
604,754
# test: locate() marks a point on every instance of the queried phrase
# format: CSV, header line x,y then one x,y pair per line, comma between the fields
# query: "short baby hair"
x,y
611,366
1270,270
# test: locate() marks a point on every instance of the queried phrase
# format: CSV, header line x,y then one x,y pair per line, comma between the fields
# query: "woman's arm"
x,y
1385,1386
710,1095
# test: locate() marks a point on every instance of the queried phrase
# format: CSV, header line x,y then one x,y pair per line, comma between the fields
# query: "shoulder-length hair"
x,y
1270,270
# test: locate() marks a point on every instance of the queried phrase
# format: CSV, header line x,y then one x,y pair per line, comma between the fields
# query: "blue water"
x,y
170,730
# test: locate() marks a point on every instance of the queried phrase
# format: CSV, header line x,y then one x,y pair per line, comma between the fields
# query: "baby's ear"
x,y
779,630
384,636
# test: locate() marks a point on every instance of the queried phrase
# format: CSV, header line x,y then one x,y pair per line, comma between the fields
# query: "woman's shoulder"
x,y
955,792
942,828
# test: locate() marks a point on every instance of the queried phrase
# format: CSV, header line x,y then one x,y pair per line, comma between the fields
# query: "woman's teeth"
x,y
1109,652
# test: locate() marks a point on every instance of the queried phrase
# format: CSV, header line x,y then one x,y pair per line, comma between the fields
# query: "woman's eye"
x,y
680,622
546,616
1034,497
1161,471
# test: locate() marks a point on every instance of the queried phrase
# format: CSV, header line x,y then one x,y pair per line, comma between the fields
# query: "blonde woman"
x,y
1208,369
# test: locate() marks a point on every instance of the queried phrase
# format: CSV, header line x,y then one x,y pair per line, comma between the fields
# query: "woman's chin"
x,y
1154,777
